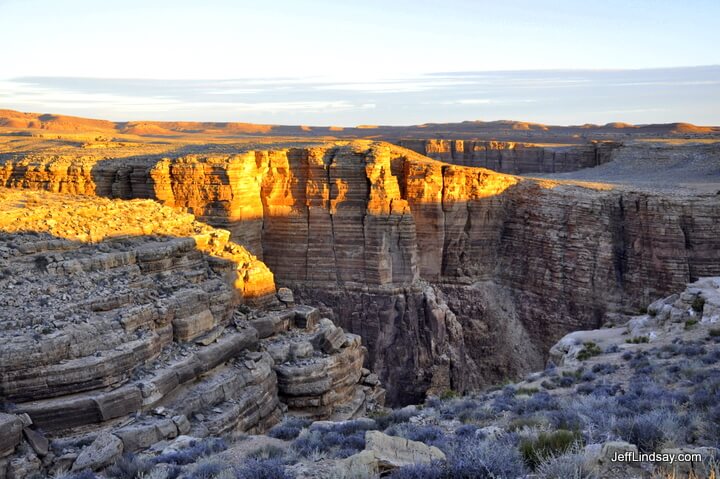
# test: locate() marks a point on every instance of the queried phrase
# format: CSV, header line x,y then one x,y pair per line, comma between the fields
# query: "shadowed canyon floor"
x,y
141,269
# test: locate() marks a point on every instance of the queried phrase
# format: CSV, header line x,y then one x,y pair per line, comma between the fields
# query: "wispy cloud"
x,y
577,96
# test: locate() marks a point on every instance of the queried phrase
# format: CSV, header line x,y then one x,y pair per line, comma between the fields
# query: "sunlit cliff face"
x,y
95,220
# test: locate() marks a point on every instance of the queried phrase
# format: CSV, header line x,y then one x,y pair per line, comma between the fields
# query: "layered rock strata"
x,y
440,268
131,319
514,157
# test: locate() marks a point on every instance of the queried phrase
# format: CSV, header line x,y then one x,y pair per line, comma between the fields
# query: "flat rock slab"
x,y
37,441
392,452
102,452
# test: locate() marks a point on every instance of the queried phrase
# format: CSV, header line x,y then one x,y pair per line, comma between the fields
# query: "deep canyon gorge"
x,y
381,274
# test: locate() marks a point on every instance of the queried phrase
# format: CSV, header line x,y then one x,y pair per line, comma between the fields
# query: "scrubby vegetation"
x,y
638,340
653,395
589,350
548,444
698,304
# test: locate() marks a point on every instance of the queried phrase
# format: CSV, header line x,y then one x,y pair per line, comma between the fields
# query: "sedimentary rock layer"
x,y
514,157
129,323
360,227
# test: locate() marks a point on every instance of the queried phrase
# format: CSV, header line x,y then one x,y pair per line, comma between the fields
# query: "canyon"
x,y
207,275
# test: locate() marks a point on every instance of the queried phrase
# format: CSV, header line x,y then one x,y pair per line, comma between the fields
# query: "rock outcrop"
x,y
127,323
514,157
413,254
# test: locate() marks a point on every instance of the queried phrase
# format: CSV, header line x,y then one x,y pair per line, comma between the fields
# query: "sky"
x,y
350,62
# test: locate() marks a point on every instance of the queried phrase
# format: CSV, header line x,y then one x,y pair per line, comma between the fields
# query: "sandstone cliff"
x,y
442,269
514,157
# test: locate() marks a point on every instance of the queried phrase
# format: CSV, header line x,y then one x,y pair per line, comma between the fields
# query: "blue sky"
x,y
355,62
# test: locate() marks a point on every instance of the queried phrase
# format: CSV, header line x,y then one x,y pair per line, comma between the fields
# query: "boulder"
x,y
285,295
372,380
11,427
329,339
392,452
617,451
364,465
306,317
301,350
105,449
37,441
182,424
280,352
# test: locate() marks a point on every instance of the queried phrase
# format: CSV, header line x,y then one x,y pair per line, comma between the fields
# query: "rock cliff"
x,y
454,276
514,157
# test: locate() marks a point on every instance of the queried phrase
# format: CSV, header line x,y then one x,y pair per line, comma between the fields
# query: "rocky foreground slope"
x,y
638,400
126,323
455,277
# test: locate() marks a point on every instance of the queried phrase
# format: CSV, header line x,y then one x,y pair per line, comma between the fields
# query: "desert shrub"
x,y
714,333
547,444
521,423
604,389
690,323
262,469
548,384
211,470
86,474
540,401
395,416
571,465
708,427
566,381
330,442
693,349
613,348
586,388
449,394
467,430
289,429
706,393
698,304
588,376
711,357
268,451
643,310
638,340
434,470
564,419
526,391
627,355
598,415
589,350
453,409
473,458
604,368
668,351
431,435
193,452
504,402
641,430
129,466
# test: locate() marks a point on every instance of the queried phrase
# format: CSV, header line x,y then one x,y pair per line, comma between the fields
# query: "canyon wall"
x,y
455,277
514,157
